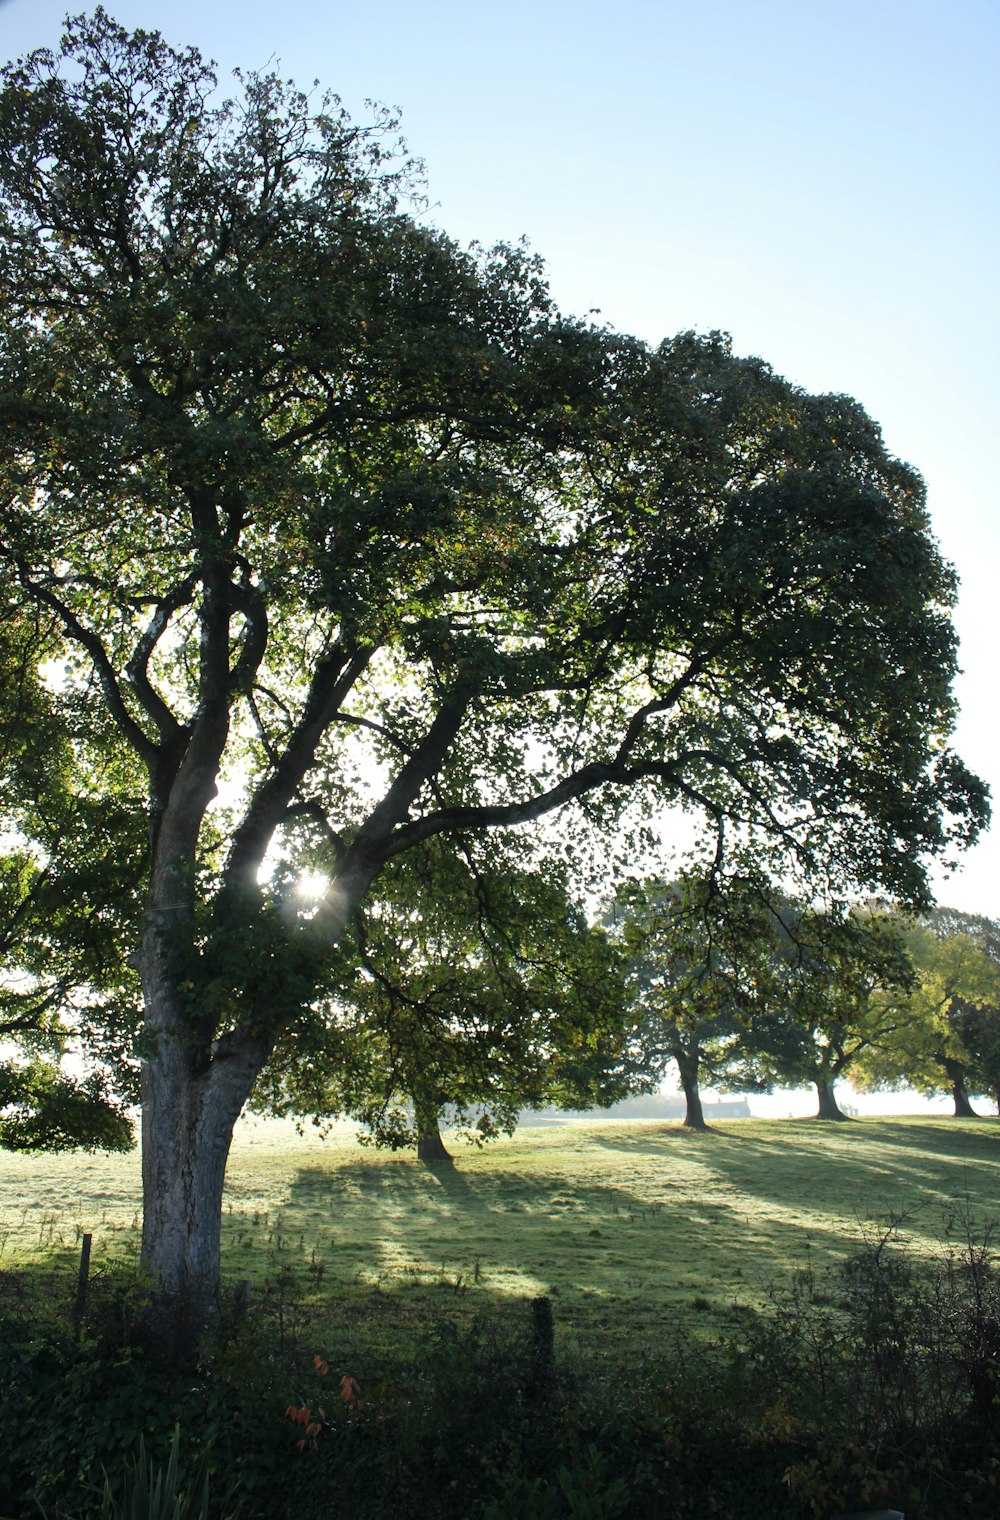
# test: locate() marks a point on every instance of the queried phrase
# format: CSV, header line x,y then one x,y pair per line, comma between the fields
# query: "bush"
x,y
886,1376
876,1386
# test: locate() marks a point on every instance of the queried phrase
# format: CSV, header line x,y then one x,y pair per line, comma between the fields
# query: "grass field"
x,y
641,1226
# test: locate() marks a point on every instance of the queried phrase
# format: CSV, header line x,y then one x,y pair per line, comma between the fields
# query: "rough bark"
x,y
195,1083
188,1116
829,1108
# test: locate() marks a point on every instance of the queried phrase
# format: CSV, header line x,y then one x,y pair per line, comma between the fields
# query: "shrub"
x,y
876,1386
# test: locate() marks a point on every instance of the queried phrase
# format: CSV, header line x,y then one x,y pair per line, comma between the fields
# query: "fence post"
x,y
82,1281
543,1348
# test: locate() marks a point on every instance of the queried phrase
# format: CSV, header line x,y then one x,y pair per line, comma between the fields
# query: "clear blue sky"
x,y
819,179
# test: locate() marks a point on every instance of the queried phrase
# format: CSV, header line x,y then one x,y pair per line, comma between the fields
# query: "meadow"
x,y
641,1227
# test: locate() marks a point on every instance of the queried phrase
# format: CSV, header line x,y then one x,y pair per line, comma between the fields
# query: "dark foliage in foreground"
x,y
879,1385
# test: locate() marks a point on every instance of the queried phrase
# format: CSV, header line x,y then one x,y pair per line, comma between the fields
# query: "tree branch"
x,y
133,733
334,678
136,671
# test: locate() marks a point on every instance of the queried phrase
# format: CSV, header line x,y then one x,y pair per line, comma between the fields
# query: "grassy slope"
x,y
625,1224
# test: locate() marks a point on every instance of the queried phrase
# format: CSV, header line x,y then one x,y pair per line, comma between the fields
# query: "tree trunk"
x,y
687,1066
959,1091
829,1108
188,1116
963,1107
430,1147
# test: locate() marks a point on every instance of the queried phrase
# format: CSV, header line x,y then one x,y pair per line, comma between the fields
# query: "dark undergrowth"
x,y
875,1386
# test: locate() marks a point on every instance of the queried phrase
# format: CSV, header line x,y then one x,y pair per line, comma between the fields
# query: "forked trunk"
x,y
694,1116
188,1116
829,1108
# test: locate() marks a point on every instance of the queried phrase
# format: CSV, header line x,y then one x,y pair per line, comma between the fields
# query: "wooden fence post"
x,y
81,1282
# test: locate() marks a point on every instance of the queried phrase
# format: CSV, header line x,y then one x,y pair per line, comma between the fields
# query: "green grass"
x,y
635,1227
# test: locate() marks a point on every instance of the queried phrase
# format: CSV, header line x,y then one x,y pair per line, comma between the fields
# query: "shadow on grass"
x,y
628,1228
859,1170
601,1247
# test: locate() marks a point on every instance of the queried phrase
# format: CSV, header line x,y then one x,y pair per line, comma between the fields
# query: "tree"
x,y
978,1027
840,992
355,526
482,991
703,951
950,1039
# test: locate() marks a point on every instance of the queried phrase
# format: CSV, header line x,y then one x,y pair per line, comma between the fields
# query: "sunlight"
x,y
312,885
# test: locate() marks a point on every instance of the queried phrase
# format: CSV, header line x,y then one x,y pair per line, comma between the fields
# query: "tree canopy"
x,y
837,990
949,1040
67,906
350,541
703,951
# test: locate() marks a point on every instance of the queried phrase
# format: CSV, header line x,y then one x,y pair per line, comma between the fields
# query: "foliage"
x,y
837,988
756,990
41,1109
950,1039
149,1491
320,508
83,1423
482,991
875,1384
894,1365
67,908
703,951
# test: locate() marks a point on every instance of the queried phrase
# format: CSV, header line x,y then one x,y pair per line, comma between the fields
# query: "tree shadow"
x,y
624,1228
858,1169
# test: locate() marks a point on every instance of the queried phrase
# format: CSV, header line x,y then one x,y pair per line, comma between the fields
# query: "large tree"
x,y
837,992
353,526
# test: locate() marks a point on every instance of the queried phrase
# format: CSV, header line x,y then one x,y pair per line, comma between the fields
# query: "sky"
x,y
819,180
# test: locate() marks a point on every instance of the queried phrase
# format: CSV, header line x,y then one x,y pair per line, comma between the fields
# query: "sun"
x,y
312,885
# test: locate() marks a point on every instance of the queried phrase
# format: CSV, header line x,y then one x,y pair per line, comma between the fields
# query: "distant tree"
x,y
702,950
482,991
840,992
978,1028
950,1038
326,509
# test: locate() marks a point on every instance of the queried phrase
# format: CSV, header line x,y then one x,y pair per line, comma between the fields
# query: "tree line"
x,y
748,990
